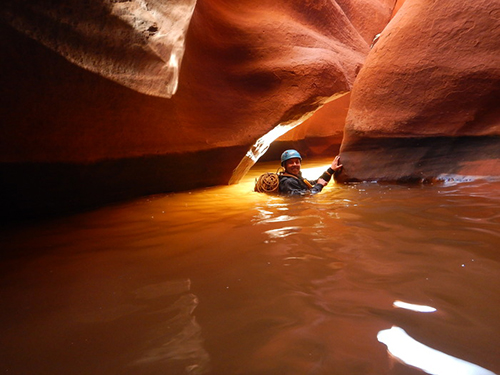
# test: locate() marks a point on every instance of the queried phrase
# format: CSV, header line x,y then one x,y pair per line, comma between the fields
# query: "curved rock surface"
x,y
135,43
427,99
88,121
319,135
368,15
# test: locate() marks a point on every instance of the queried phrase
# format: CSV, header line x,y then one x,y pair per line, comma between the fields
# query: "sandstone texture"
x,y
426,102
137,44
368,15
92,110
319,135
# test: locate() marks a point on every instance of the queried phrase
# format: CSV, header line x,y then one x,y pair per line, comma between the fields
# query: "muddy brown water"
x,y
227,281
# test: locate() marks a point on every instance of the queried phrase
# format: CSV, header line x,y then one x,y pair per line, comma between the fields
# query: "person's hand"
x,y
322,182
336,166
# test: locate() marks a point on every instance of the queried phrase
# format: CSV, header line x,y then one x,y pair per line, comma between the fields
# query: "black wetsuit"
x,y
291,185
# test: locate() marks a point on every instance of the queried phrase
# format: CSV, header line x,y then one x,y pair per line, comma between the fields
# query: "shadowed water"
x,y
228,281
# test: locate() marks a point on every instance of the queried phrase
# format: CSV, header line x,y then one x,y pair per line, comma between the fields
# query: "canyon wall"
x,y
105,100
426,102
319,135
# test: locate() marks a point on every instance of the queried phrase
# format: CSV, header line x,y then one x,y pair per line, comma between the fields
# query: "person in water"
x,y
291,181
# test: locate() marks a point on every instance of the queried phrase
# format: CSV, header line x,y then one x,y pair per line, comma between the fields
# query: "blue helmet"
x,y
289,154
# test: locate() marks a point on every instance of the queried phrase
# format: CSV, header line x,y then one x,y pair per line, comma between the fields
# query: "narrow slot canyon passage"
x,y
133,240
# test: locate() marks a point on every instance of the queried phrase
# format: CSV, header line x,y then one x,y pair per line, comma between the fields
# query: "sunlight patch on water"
x,y
410,351
282,232
414,307
278,219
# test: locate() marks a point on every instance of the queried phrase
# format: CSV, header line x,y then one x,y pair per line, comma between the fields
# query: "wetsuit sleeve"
x,y
327,175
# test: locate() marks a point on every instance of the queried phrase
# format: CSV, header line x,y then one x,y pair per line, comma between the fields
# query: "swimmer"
x,y
291,181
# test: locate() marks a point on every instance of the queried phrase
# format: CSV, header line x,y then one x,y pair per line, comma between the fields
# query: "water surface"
x,y
227,281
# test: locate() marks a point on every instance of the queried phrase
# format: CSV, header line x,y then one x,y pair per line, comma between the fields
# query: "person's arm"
x,y
334,170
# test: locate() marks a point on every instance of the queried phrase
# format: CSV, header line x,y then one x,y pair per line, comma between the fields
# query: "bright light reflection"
x,y
173,65
313,173
282,232
263,143
258,149
413,353
413,307
278,219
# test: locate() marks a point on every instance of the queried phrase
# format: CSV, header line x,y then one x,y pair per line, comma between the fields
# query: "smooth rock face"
x,y
423,86
246,69
86,87
320,135
328,121
137,44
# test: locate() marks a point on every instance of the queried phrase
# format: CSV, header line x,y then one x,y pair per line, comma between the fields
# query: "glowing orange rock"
x,y
87,90
426,101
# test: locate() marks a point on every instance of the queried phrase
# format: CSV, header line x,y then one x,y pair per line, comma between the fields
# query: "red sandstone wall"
x,y
319,135
397,6
426,100
368,16
247,68
322,133
328,121
83,109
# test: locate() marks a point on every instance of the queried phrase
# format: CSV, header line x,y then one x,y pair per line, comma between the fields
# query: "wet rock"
x,y
426,101
88,90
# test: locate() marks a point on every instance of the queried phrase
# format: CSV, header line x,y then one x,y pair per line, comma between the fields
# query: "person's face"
x,y
293,166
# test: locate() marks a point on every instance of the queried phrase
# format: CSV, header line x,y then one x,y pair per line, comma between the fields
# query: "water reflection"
x,y
410,351
414,307
231,282
177,340
282,232
278,219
